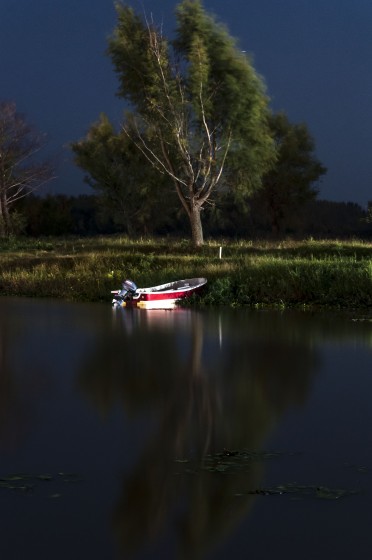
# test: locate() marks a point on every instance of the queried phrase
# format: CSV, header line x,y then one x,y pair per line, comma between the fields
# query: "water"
x,y
183,434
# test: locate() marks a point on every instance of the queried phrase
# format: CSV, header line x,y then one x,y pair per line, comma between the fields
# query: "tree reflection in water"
x,y
210,385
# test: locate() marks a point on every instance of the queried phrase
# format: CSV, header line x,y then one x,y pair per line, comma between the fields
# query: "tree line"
x,y
198,149
85,215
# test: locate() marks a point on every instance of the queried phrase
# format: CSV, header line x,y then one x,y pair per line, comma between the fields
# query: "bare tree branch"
x,y
20,175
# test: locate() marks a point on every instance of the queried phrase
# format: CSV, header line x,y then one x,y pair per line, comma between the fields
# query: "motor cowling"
x,y
128,290
129,286
126,293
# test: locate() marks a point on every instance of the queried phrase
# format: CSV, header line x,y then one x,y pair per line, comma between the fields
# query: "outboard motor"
x,y
130,287
127,292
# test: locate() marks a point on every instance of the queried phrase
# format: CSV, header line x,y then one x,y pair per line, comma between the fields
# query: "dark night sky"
x,y
314,55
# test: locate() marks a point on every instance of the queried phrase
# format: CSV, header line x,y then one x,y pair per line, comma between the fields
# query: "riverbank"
x,y
330,273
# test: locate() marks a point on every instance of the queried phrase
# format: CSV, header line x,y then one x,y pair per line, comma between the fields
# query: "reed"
x,y
328,273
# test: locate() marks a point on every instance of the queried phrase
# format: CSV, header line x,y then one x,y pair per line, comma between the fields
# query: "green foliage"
x,y
199,111
130,49
130,190
368,218
332,274
14,225
235,93
290,183
64,215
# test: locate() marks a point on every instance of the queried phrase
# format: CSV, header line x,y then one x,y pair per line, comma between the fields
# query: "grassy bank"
x,y
311,273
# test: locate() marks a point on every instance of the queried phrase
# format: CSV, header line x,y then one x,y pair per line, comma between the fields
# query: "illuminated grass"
x,y
310,273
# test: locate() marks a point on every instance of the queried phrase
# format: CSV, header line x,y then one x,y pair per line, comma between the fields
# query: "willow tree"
x,y
198,110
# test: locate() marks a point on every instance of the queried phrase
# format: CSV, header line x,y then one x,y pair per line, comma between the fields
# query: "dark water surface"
x,y
183,434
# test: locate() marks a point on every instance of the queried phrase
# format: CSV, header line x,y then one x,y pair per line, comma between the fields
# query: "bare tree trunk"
x,y
196,226
4,217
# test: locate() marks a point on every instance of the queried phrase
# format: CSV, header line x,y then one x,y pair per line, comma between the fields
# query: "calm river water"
x,y
131,434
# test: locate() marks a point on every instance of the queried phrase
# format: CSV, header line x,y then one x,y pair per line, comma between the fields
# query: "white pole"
x,y
220,252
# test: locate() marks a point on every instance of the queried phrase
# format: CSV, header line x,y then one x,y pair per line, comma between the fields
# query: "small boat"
x,y
165,296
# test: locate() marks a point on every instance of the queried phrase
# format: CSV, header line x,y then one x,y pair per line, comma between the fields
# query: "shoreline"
x,y
308,275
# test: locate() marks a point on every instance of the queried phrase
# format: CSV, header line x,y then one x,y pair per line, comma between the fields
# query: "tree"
x,y
199,110
121,176
20,171
369,212
291,182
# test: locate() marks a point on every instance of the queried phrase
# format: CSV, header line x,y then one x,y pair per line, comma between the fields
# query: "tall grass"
x,y
310,273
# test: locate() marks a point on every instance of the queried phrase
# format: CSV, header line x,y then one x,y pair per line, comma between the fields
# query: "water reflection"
x,y
172,391
211,383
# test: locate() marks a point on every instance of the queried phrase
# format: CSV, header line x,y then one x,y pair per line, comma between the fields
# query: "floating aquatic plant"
x,y
298,491
229,462
26,483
